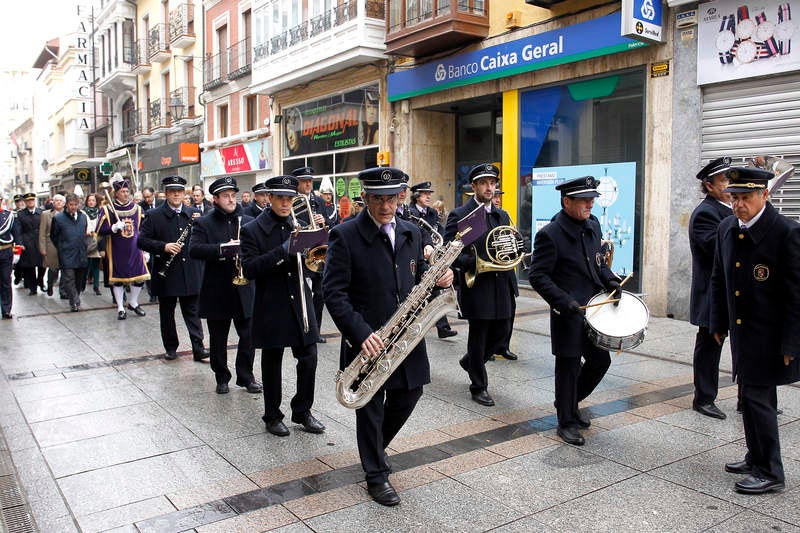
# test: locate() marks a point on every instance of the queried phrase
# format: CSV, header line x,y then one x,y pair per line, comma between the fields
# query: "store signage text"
x,y
588,39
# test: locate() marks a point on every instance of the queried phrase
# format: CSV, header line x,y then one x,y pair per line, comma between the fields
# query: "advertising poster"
x,y
738,40
246,157
614,208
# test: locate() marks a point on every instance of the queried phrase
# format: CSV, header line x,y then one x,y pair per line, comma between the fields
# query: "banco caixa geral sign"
x,y
593,38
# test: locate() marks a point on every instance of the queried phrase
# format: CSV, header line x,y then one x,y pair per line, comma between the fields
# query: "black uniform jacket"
x,y
755,294
29,233
317,206
219,298
364,282
278,314
431,217
252,210
492,296
703,226
162,225
568,266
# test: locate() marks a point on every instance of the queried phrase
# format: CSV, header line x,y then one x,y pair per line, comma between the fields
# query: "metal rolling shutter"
x,y
756,117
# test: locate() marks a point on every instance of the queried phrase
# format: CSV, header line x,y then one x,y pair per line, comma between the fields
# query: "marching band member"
x,y
215,240
120,223
489,303
329,208
30,262
165,236
568,269
9,233
372,265
19,205
755,294
278,315
258,203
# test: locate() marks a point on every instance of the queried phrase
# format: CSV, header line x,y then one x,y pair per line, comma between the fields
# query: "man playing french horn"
x,y
164,235
488,300
226,296
373,263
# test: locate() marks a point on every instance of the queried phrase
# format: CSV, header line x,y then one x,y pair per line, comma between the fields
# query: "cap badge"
x,y
760,272
227,180
386,175
286,181
488,168
733,174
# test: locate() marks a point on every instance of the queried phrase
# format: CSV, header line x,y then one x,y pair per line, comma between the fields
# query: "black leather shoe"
x,y
254,386
74,308
153,299
222,388
7,316
446,333
738,467
757,485
32,292
321,340
201,354
571,435
170,355
138,309
97,292
483,398
583,421
383,493
508,354
49,291
122,315
463,364
709,409
278,428
309,423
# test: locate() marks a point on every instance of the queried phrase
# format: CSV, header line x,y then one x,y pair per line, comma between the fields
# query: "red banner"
x,y
235,159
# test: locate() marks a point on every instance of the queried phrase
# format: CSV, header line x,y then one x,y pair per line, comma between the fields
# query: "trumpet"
x,y
314,258
239,279
505,248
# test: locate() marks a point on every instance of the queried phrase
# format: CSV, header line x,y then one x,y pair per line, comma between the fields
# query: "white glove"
x,y
118,226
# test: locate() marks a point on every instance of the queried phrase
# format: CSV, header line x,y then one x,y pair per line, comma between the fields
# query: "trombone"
x,y
314,258
239,279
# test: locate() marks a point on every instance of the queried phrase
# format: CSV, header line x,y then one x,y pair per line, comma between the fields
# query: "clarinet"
x,y
181,241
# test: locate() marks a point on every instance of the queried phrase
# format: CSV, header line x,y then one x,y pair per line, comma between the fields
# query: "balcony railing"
x,y
428,26
141,125
142,56
318,25
239,59
181,105
156,114
159,46
181,26
130,124
215,70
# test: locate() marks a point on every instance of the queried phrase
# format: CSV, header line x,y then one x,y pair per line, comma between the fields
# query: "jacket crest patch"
x,y
760,272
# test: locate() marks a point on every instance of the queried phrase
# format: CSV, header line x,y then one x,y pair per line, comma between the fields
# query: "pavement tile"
x,y
472,427
19,437
187,519
327,502
466,462
649,444
190,497
288,472
684,402
413,477
47,409
617,420
651,370
655,410
730,429
68,387
341,459
731,391
267,519
125,515
641,503
752,522
523,415
297,527
419,440
521,445
527,524
782,506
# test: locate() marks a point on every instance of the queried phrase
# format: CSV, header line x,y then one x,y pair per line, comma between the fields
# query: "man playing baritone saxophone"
x,y
165,235
372,264
215,240
279,316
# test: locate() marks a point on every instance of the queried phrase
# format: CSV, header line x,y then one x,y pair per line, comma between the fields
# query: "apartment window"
x,y
251,109
222,120
127,42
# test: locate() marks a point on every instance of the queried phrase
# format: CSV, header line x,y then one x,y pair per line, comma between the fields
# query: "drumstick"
x,y
604,302
610,296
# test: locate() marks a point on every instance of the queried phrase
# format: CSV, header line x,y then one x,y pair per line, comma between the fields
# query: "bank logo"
x,y
441,73
648,11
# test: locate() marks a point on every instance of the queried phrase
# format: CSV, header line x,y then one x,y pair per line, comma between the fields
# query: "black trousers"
x,y
484,335
218,346
52,279
505,341
706,367
760,419
166,315
271,361
6,264
575,380
377,423
33,277
318,298
73,281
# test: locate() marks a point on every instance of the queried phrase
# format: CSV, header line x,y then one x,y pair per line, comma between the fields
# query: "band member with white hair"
x,y
120,223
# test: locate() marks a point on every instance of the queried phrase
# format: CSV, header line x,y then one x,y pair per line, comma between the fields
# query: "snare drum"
x,y
617,328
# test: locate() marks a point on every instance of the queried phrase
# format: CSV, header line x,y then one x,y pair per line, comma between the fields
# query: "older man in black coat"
x,y
30,262
703,226
215,240
490,302
568,269
68,234
372,264
279,318
755,295
165,235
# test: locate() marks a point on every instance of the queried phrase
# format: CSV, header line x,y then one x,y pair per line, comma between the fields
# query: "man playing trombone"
x,y
226,294
165,235
283,315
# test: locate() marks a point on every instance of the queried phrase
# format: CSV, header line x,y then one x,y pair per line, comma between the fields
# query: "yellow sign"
x,y
383,159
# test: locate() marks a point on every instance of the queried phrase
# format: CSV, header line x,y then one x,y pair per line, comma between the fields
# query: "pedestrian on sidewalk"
x,y
755,295
703,226
165,234
93,252
48,249
225,296
68,235
568,269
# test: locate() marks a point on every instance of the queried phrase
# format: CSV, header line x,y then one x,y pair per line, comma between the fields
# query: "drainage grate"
x,y
10,495
18,520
